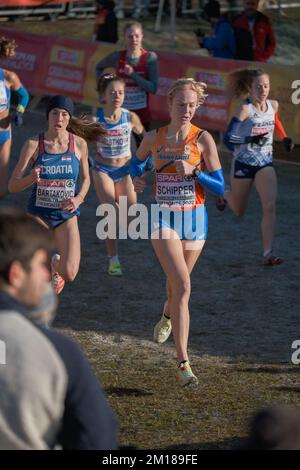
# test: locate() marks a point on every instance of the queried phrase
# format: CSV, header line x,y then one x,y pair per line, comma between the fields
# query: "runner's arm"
x,y
150,84
139,161
137,127
108,62
15,84
214,179
18,182
287,142
232,137
84,183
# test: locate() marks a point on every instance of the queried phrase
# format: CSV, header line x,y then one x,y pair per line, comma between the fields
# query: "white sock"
x,y
268,252
114,259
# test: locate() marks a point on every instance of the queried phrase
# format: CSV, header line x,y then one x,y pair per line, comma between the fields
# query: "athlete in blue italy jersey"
x,y
111,164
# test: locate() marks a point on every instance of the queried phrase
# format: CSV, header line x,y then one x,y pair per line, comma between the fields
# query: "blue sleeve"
x,y
23,96
88,421
214,181
231,136
137,167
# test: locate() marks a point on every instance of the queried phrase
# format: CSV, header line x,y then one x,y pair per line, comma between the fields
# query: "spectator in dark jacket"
x,y
49,396
221,44
254,34
106,22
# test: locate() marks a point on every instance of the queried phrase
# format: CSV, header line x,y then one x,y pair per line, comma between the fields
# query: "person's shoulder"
x,y
151,56
28,343
204,137
80,142
275,105
261,17
11,77
32,143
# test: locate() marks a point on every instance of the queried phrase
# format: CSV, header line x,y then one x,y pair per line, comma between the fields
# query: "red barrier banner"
x,y
58,65
31,3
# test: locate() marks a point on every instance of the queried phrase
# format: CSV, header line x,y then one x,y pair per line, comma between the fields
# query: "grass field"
x,y
244,317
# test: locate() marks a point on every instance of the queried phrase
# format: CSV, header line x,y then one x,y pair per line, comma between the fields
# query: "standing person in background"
x,y
111,164
139,69
49,395
221,44
9,81
182,152
249,136
106,23
254,34
60,179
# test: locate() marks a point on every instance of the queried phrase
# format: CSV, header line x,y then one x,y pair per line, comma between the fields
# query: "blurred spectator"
x,y
106,23
120,9
141,8
49,395
138,67
221,44
255,38
274,428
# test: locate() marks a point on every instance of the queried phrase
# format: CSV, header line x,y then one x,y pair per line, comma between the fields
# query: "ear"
x,y
16,275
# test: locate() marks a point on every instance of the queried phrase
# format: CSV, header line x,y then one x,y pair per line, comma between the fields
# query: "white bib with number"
x,y
52,193
135,98
3,96
175,190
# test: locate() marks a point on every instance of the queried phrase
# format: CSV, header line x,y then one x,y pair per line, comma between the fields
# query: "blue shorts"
x,y
243,171
116,173
190,224
5,136
56,219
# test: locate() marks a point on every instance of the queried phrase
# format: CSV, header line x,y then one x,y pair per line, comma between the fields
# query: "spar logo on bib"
x,y
169,178
70,183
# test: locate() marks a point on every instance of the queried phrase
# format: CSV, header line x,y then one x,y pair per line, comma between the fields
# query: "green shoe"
x,y
115,269
185,375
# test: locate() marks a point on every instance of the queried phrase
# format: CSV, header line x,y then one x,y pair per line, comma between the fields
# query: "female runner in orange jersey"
x,y
182,152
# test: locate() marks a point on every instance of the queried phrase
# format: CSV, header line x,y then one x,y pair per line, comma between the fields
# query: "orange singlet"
x,y
171,189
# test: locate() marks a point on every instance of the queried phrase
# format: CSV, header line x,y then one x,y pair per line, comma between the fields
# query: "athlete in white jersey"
x,y
250,137
111,164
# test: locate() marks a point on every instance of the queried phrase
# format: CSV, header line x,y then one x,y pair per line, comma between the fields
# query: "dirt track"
x,y
240,313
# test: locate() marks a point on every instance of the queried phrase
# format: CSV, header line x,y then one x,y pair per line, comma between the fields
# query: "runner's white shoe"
x,y
162,329
185,375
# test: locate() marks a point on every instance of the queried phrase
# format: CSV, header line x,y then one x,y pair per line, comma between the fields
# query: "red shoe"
x,y
58,282
271,260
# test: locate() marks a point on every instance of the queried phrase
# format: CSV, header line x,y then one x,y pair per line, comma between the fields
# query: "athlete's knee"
x,y
181,286
269,208
239,211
